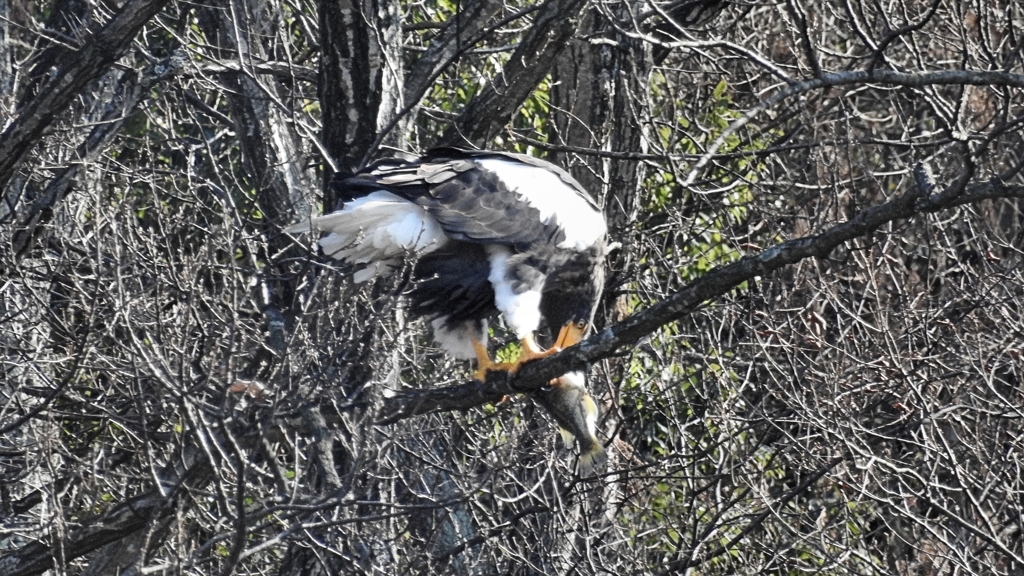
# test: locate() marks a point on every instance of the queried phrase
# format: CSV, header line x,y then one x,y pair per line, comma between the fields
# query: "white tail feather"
x,y
377,230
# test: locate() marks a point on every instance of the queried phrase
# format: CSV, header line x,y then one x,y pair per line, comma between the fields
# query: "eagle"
x,y
486,233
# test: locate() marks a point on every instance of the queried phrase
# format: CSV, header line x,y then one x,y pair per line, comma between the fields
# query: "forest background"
x,y
808,353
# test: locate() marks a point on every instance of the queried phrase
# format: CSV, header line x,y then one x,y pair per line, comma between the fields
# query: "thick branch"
x,y
535,375
454,41
489,111
86,65
461,31
121,521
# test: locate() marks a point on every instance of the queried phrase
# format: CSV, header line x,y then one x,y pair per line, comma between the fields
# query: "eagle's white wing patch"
x,y
377,229
546,192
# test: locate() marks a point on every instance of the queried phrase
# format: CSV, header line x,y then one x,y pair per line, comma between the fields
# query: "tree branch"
x,y
445,50
535,375
460,32
283,70
674,567
132,89
86,65
890,77
485,115
121,521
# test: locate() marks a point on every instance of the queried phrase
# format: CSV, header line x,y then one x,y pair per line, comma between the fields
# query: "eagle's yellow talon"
x,y
484,364
569,335
532,351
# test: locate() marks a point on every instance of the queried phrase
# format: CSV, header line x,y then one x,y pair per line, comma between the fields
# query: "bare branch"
x,y
120,521
87,64
131,91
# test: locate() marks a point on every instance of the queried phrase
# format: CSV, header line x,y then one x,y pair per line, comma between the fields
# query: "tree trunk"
x,y
361,76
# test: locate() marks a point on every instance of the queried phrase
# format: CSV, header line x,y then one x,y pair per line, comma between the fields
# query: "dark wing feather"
x,y
476,206
451,152
453,282
470,203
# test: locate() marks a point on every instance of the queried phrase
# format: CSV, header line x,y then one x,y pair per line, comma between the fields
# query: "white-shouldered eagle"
x,y
489,232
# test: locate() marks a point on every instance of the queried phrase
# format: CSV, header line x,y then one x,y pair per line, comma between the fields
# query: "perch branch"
x,y
610,341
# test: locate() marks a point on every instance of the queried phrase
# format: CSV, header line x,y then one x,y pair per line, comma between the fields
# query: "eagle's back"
x,y
396,207
490,197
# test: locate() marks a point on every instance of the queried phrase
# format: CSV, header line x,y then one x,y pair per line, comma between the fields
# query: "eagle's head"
x,y
570,298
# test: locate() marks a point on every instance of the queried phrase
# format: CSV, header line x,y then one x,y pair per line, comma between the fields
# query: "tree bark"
x,y
360,78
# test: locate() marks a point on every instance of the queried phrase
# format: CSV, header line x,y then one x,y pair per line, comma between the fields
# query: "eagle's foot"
x,y
530,351
480,374
533,351
569,335
484,364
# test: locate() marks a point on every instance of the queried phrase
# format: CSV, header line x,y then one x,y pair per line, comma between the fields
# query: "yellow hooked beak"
x,y
570,334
